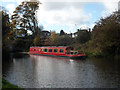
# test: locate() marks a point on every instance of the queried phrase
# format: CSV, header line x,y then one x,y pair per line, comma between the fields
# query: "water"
x,y
53,72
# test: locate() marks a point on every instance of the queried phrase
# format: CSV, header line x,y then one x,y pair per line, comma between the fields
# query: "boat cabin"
x,y
53,50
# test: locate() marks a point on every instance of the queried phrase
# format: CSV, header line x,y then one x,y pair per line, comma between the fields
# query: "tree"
x,y
39,40
24,18
57,40
5,23
106,34
64,40
5,32
83,36
52,37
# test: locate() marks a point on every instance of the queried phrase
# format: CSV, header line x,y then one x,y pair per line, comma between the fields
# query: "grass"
x,y
6,85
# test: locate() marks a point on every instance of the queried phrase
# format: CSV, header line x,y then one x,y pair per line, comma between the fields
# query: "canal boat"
x,y
59,51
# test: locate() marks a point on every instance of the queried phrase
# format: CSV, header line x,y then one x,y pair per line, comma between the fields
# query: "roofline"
x,y
49,46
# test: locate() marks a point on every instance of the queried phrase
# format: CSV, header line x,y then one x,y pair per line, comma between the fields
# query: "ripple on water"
x,y
52,72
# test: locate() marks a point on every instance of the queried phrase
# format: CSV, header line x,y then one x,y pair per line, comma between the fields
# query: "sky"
x,y
68,15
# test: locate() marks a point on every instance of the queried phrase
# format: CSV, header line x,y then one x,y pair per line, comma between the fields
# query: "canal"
x,y
31,71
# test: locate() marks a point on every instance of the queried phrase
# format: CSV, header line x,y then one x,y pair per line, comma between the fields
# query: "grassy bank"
x,y
6,84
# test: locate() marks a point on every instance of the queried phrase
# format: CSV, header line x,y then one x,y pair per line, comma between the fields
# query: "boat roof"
x,y
64,47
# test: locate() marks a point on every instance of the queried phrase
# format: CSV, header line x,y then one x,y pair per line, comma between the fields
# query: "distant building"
x,y
70,35
45,38
62,33
73,35
46,33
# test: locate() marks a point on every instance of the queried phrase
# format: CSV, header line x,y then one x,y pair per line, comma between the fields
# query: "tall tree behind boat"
x,y
24,19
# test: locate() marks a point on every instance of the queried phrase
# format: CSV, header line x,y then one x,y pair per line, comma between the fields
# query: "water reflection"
x,y
52,72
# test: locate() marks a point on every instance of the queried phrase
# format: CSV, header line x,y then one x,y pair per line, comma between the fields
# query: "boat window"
x,y
39,49
34,49
67,52
61,50
71,52
50,50
45,50
75,52
55,50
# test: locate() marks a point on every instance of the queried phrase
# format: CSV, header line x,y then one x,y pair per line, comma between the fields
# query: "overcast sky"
x,y
68,15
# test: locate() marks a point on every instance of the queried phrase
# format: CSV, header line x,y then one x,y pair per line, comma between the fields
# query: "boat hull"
x,y
63,56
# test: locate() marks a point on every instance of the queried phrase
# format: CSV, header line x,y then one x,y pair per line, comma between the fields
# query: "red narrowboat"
x,y
61,51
